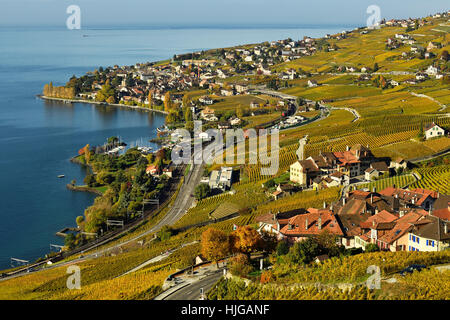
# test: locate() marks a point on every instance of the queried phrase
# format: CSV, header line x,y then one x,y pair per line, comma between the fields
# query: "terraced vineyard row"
x,y
305,199
435,178
398,181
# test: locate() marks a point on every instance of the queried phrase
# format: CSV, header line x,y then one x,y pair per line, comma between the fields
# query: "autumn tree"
x,y
87,153
245,240
215,244
149,98
168,102
105,92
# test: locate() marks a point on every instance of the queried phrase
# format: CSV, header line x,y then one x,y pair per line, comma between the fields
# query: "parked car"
x,y
412,268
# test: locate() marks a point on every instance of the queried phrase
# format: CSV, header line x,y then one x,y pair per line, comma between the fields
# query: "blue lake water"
x,y
38,138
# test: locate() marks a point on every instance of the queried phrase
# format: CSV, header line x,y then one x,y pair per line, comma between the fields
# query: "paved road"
x,y
192,291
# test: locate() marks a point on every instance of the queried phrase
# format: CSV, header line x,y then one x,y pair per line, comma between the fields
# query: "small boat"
x,y
61,176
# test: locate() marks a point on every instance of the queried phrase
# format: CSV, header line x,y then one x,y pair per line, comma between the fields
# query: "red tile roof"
x,y
408,195
346,157
442,213
379,220
297,225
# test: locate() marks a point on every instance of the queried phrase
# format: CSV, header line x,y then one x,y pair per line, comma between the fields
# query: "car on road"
x,y
412,268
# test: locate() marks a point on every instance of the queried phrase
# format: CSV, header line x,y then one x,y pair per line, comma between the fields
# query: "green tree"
x,y
90,180
372,247
202,191
69,241
304,251
282,248
421,134
165,233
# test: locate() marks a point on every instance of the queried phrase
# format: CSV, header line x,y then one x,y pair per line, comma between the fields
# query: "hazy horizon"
x,y
173,13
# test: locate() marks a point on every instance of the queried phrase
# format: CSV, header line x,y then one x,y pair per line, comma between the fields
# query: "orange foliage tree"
x,y
215,244
245,240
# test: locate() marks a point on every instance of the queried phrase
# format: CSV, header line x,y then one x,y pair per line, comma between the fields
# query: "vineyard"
x,y
304,199
353,269
399,182
425,285
435,178
245,196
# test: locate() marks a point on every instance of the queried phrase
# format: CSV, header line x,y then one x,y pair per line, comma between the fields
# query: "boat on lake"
x,y
61,176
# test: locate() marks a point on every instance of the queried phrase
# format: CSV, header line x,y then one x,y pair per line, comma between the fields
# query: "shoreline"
x,y
84,189
98,103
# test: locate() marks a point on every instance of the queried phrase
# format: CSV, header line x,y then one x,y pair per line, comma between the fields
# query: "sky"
x,y
211,12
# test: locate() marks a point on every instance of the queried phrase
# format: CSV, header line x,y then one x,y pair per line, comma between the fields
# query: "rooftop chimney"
x,y
306,224
324,205
319,222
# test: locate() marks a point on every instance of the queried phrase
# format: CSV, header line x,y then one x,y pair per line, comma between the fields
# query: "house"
x,y
234,121
393,83
168,172
303,172
206,100
352,162
241,88
221,179
321,258
416,198
286,188
277,194
396,238
204,136
207,112
340,178
433,130
433,45
371,174
442,207
152,170
312,223
380,166
312,83
430,235
420,76
254,104
432,70
399,163
272,223
226,93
